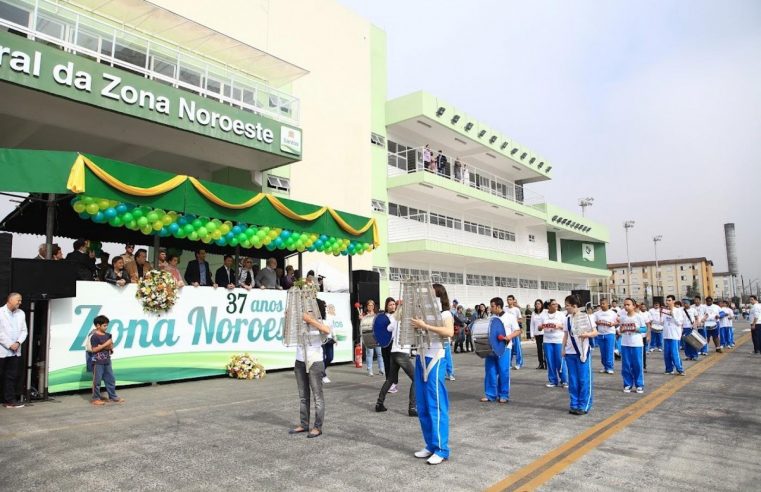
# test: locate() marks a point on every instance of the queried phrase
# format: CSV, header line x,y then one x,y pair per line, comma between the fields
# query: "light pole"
x,y
584,203
657,273
628,224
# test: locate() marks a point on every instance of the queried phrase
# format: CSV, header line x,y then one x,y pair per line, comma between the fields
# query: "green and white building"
x,y
199,82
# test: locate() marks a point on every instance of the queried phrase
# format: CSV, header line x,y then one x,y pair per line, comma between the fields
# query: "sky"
x,y
651,107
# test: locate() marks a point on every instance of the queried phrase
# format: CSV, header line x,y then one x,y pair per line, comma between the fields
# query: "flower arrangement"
x,y
244,366
157,291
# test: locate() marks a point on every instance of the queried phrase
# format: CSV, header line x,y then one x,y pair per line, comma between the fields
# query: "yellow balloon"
x,y
158,225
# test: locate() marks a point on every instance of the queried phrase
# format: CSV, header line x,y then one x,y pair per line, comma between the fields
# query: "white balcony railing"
x,y
418,228
55,24
413,160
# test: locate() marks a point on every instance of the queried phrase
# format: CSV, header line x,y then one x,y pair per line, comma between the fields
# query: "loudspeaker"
x,y
584,296
43,279
659,299
365,286
358,276
6,242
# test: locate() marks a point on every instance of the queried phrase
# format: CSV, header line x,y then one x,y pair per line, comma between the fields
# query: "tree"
x,y
692,290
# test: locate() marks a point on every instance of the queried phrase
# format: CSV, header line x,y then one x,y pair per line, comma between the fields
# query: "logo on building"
x,y
587,252
290,140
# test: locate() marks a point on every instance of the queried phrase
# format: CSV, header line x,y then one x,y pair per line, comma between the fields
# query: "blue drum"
x,y
486,337
380,329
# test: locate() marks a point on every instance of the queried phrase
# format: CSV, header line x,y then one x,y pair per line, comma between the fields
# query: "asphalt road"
x,y
220,434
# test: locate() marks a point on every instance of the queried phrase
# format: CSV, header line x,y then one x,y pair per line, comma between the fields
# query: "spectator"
x,y
41,252
226,274
162,259
197,273
13,333
457,169
442,164
428,159
138,268
279,274
171,266
104,265
465,175
247,275
461,323
289,278
102,348
57,253
85,263
370,310
127,255
116,274
267,277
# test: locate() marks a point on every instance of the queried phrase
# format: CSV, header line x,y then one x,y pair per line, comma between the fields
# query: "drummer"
x,y
606,320
552,326
576,354
632,347
497,369
400,359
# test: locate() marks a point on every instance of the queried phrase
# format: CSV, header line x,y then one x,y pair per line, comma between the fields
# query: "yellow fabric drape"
x,y
76,184
76,181
222,203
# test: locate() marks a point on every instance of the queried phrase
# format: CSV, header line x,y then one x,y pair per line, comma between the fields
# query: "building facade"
x,y
722,285
684,277
187,87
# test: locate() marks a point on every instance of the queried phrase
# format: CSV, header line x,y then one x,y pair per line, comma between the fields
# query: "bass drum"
x,y
380,329
695,340
366,331
486,333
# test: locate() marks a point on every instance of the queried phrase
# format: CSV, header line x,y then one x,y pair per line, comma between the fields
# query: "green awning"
x,y
120,188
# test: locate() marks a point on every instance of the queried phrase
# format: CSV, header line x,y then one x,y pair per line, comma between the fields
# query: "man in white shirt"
x,y
726,315
497,369
517,352
690,323
656,328
673,319
755,324
606,320
700,308
553,322
645,316
13,333
711,322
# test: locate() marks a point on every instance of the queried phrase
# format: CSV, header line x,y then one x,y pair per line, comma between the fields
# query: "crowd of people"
x,y
132,265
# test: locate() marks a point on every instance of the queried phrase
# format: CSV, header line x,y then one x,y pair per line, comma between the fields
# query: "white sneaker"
x,y
423,453
435,459
550,385
565,385
517,367
602,371
392,389
660,350
609,371
627,389
370,374
325,380
640,390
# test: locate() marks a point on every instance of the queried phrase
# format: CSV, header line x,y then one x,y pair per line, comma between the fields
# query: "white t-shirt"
x,y
314,349
568,343
645,315
630,335
726,321
552,324
433,350
393,328
711,313
516,311
608,316
690,317
536,323
755,313
656,319
511,325
672,323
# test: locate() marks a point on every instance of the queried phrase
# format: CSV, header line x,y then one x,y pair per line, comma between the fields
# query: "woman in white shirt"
x,y
690,317
553,322
537,333
430,390
576,354
631,324
606,320
400,359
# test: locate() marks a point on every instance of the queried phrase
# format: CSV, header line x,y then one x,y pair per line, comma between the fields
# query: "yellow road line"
x,y
547,466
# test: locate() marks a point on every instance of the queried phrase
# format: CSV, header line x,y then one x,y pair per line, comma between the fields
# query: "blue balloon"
x,y
99,218
318,243
236,230
229,235
344,253
84,215
110,213
285,233
182,221
173,227
278,242
323,237
220,242
270,246
311,248
121,208
163,232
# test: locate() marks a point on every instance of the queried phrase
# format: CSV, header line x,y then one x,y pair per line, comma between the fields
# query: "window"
x,y
379,206
547,285
471,227
682,278
401,157
531,238
510,282
378,140
479,280
278,183
382,272
528,284
14,14
565,286
681,267
503,235
447,277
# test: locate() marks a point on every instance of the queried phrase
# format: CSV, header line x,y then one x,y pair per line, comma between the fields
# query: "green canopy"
x,y
111,183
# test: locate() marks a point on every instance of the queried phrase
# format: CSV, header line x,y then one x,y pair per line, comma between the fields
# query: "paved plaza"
x,y
698,432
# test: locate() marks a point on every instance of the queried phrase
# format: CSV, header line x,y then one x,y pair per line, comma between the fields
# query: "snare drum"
x,y
486,333
383,337
366,331
694,339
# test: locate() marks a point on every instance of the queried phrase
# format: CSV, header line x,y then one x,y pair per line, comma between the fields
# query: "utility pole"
x,y
656,239
628,224
584,203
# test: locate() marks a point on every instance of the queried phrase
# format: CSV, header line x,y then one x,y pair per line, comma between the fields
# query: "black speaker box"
x,y
6,241
43,279
584,296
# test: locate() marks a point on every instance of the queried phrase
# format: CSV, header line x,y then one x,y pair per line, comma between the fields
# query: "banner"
x,y
195,339
588,252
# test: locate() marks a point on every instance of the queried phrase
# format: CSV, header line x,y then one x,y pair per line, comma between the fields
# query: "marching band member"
x,y
656,328
430,390
645,315
576,354
400,359
710,321
553,322
726,315
755,324
517,351
690,319
536,332
632,347
673,319
497,369
311,382
606,321
700,323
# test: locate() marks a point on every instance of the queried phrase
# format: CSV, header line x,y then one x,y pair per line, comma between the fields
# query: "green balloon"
x,y
188,228
137,212
116,221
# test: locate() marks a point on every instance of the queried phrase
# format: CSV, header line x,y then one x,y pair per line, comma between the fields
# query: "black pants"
x,y
755,332
644,353
399,360
386,354
10,376
539,339
459,340
327,357
469,342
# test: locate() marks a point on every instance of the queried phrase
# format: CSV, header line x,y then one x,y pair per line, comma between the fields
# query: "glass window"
x,y
15,14
531,238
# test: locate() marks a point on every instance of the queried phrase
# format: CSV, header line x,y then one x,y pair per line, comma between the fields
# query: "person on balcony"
x,y
138,268
246,275
198,273
171,266
84,259
442,164
225,274
457,169
116,274
428,159
267,277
